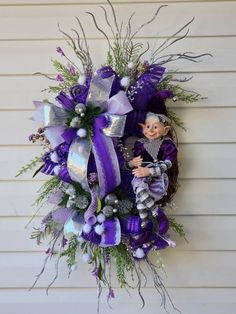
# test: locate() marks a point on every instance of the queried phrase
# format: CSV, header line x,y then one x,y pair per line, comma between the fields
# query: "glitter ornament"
x,y
79,108
125,81
81,80
110,199
99,229
107,210
75,122
130,65
86,228
57,170
82,133
81,202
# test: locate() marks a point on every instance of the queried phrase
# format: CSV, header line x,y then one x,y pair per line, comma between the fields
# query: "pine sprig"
x,y
69,79
175,119
182,94
29,166
47,189
124,262
176,227
70,252
48,227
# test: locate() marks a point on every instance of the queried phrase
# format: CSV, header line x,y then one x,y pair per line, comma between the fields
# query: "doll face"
x,y
153,129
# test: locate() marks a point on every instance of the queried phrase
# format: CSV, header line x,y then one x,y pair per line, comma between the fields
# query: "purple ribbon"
x,y
89,215
105,158
112,234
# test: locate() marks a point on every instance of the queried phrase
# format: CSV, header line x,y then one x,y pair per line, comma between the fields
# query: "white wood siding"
x,y
201,274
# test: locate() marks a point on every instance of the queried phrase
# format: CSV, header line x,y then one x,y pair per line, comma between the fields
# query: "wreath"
x,y
111,197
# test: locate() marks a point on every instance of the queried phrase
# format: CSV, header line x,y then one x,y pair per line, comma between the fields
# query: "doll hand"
x,y
141,172
136,162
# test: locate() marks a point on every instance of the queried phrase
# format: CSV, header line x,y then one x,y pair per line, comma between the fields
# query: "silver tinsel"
x,y
124,206
111,199
107,210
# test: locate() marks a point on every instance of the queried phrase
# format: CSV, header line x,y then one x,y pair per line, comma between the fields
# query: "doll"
x,y
153,156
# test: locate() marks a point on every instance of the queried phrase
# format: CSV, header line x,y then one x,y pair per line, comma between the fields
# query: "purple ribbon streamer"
x,y
89,215
112,234
105,158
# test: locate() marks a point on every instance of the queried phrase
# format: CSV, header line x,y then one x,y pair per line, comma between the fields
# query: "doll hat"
x,y
157,108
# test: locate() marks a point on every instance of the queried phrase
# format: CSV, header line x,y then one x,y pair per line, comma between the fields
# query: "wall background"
x,y
201,274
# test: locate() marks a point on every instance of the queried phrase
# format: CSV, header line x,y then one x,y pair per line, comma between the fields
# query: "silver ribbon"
x,y
114,109
77,161
49,114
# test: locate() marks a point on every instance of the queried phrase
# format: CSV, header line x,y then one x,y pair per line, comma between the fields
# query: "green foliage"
x,y
175,119
38,234
159,261
69,79
48,228
109,61
47,189
124,262
176,227
87,121
31,165
70,252
181,94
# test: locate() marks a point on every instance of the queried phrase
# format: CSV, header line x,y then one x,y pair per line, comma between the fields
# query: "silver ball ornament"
x,y
174,98
144,224
107,210
111,199
79,108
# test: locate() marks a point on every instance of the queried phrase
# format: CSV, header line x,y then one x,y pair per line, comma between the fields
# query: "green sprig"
x,y
124,262
70,252
47,189
175,119
69,79
30,166
176,227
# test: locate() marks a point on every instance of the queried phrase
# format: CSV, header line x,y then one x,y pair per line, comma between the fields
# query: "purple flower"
x,y
59,50
111,294
64,241
59,78
79,93
49,251
92,178
72,70
94,272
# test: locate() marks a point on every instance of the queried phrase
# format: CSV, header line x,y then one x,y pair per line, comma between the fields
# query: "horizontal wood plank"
x,y
90,2
211,269
24,22
18,92
203,125
203,233
198,161
28,57
194,197
191,301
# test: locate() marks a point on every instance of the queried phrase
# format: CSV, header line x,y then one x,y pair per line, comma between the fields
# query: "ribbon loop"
x,y
77,161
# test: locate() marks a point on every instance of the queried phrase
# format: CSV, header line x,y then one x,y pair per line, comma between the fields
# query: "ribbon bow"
x,y
110,123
